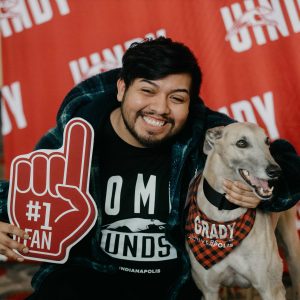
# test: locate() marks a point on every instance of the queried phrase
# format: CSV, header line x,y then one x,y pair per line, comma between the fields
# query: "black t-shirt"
x,y
136,206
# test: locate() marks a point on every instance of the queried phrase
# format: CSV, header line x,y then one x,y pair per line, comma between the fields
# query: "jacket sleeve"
x,y
4,185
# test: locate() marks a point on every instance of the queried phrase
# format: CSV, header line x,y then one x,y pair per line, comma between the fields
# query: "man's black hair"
x,y
155,59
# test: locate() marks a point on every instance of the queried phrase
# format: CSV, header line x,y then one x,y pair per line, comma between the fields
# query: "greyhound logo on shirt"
x,y
136,224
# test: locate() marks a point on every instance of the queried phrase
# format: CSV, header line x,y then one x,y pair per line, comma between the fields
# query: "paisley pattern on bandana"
x,y
211,241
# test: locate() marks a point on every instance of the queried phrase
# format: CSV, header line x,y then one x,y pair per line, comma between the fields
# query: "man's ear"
x,y
211,136
121,89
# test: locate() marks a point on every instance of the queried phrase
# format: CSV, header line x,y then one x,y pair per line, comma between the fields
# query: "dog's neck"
x,y
215,198
214,172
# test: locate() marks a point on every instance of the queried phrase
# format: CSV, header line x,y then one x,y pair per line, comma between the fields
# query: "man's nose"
x,y
160,105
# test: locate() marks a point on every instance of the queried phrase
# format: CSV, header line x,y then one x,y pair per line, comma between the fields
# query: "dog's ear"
x,y
211,136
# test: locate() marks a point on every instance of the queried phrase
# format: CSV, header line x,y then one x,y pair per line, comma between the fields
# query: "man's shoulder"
x,y
97,84
100,82
215,118
91,92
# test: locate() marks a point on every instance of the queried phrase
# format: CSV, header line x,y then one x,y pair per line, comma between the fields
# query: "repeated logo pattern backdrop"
x,y
249,51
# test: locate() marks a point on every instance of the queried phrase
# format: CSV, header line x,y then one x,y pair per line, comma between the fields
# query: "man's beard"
x,y
146,141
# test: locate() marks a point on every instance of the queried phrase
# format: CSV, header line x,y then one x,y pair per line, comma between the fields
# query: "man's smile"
x,y
154,121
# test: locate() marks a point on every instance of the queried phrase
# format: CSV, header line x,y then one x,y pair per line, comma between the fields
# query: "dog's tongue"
x,y
259,182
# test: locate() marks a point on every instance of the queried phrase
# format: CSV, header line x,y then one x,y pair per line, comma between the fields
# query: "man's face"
x,y
152,111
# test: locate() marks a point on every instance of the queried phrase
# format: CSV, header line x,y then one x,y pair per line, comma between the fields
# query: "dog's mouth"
x,y
260,186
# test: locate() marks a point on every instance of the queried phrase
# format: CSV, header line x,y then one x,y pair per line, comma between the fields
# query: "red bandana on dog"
x,y
211,241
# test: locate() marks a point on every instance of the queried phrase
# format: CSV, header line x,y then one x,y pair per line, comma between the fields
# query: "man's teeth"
x,y
153,122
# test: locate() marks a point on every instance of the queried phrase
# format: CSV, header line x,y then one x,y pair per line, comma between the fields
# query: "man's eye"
x,y
147,91
242,143
177,99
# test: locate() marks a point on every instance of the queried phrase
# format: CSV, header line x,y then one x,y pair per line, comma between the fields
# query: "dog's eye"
x,y
242,143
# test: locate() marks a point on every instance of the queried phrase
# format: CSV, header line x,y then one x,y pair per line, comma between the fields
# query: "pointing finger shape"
x,y
78,152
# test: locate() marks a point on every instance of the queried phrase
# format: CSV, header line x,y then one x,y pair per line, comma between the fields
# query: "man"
x,y
149,131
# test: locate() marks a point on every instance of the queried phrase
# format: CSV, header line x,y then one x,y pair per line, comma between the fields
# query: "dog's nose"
x,y
273,171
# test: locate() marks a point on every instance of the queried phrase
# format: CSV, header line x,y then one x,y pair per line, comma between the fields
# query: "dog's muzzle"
x,y
261,186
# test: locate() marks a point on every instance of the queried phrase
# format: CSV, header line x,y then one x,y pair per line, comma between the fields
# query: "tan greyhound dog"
x,y
230,245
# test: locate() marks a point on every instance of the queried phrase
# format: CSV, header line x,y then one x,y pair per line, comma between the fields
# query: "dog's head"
x,y
241,152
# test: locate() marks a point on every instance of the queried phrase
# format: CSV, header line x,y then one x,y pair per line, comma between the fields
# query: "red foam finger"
x,y
77,148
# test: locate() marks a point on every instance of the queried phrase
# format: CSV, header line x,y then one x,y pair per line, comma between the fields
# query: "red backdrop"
x,y
249,52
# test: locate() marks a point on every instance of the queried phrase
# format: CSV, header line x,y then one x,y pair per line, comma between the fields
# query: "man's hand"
x,y
7,244
240,194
